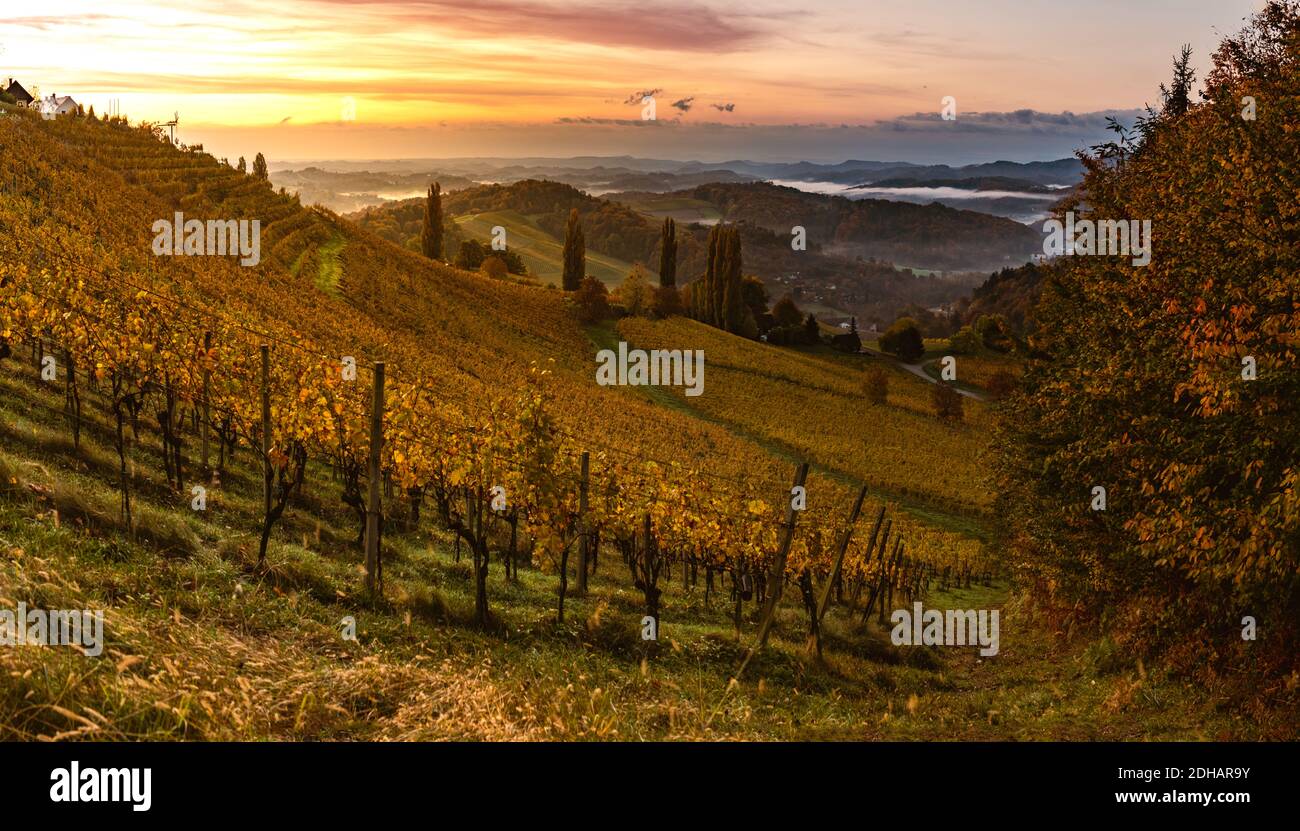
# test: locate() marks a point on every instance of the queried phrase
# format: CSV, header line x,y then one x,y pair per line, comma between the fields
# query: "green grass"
x,y
541,252
331,266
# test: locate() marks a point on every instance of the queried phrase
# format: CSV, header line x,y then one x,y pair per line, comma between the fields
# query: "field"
x,y
660,206
542,253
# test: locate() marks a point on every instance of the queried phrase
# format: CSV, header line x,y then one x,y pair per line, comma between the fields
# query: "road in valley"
x,y
919,371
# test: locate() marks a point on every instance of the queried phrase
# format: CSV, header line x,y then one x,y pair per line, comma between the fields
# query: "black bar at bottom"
x,y
337,781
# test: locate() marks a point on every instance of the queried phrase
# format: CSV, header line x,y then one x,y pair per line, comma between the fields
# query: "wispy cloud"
x,y
47,23
636,98
611,122
1015,121
674,26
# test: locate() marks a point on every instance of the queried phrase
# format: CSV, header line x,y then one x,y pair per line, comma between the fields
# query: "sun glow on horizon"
x,y
430,63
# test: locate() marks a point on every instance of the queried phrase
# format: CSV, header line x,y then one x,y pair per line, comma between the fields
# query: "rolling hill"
x,y
840,278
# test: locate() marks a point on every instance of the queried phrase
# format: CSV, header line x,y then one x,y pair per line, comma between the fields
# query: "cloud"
x,y
675,26
1013,122
724,108
396,88
637,97
615,122
48,22
285,120
684,104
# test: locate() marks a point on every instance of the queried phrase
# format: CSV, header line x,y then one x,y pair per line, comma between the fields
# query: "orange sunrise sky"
x,y
372,78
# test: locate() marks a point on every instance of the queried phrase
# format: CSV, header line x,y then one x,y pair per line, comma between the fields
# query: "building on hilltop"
x,y
56,105
21,95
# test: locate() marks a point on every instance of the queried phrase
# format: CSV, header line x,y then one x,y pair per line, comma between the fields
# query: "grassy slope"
x,y
331,269
681,208
541,252
811,402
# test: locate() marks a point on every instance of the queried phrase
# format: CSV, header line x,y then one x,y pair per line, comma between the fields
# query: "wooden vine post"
x,y
583,539
839,553
207,414
776,576
374,578
267,475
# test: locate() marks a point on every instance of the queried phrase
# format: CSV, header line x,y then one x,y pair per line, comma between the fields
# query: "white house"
x,y
56,105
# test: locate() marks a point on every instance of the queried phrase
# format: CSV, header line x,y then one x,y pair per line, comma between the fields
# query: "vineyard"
x,y
324,429
814,406
492,425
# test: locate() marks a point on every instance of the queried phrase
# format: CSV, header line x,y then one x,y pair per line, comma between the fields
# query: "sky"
x,y
763,80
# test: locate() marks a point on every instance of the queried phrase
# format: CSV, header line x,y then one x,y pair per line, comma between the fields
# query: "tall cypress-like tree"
x,y
712,281
575,254
242,167
431,232
733,294
259,167
721,297
668,254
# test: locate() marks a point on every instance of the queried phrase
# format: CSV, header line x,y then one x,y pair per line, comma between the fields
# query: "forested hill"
x,y
1011,293
928,236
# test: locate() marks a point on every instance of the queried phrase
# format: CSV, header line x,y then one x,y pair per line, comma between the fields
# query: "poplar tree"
x,y
431,233
722,302
668,254
575,254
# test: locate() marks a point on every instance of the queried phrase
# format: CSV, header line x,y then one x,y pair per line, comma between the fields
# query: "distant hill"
x,y
852,172
929,236
352,190
1059,172
1012,293
847,269
976,183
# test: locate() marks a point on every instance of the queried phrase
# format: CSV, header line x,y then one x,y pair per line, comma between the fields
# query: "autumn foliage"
x,y
1141,381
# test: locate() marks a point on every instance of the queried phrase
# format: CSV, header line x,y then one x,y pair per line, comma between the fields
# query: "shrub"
x,y
667,301
964,341
876,385
786,313
947,403
592,299
494,267
636,294
903,339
